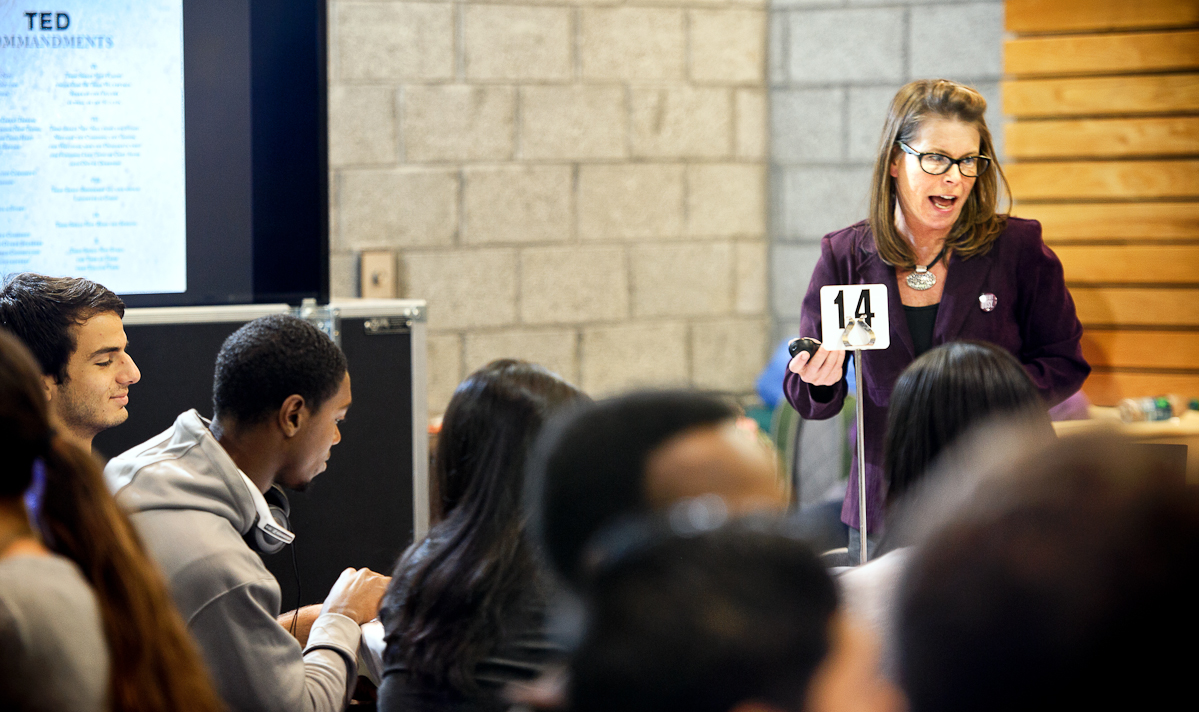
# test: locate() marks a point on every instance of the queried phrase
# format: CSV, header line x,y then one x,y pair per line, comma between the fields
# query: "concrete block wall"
x,y
833,68
580,183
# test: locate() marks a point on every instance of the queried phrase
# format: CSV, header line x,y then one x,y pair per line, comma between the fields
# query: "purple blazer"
x,y
1032,317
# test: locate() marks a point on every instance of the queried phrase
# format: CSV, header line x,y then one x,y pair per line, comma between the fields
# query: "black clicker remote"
x,y
803,344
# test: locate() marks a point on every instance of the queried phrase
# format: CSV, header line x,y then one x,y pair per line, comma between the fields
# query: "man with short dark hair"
x,y
641,453
73,327
737,619
198,495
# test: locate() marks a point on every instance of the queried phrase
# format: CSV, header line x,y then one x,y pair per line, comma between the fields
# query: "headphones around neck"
x,y
270,531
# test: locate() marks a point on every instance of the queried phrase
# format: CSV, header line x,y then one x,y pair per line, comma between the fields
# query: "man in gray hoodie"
x,y
197,495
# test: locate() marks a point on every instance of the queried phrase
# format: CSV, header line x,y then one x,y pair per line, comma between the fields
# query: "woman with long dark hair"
x,y
464,614
86,622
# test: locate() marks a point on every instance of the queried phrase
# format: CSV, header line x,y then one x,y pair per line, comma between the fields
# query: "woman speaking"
x,y
953,267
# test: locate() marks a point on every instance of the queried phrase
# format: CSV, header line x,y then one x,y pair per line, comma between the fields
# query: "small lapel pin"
x,y
987,301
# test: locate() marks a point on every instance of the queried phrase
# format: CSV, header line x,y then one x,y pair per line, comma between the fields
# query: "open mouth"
x,y
943,202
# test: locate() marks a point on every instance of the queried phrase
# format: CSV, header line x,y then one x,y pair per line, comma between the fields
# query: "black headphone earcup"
x,y
280,509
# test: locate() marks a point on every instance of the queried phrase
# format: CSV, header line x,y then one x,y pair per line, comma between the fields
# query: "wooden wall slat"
x,y
1101,96
1142,349
1102,138
1130,264
1078,15
1109,387
1066,222
1102,54
1136,306
1066,180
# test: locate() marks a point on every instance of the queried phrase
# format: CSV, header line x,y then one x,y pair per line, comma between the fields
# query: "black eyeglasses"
x,y
935,164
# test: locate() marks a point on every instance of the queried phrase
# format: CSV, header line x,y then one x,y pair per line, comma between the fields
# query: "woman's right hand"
x,y
822,369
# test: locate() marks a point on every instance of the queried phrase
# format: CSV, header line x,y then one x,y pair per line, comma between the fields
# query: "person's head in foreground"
x,y
936,173
54,502
280,389
1066,580
73,328
452,593
742,617
641,453
942,395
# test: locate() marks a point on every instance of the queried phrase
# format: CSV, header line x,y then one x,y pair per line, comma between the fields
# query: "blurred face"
x,y
721,459
848,680
95,392
929,205
313,442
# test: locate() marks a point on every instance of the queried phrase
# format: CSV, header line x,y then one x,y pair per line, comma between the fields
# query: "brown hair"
x,y
978,224
154,663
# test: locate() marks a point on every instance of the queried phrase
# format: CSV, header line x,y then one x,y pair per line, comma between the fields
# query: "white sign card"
x,y
841,305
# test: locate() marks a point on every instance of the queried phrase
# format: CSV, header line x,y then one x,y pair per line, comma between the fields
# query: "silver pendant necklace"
x,y
922,279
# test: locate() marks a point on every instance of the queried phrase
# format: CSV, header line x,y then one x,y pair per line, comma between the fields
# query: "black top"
x,y
920,326
522,654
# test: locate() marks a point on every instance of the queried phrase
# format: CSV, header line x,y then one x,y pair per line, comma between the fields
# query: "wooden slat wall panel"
x,y
1035,16
1105,143
1103,138
1130,264
1117,180
1102,96
1142,349
1109,387
1101,54
1136,306
1113,221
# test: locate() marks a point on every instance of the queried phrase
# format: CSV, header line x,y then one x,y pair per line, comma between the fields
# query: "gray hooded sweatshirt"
x,y
191,506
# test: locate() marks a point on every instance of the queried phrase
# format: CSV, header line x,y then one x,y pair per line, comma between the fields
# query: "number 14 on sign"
x,y
840,304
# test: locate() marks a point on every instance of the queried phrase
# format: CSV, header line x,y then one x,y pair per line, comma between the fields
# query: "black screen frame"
x,y
256,158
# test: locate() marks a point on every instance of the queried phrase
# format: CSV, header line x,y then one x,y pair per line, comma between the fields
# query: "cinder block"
x,y
572,122
630,200
995,119
727,355
972,45
404,208
681,121
555,349
749,286
573,284
867,114
846,45
776,48
691,279
455,122
464,288
726,199
791,270
817,201
750,105
728,46
632,43
444,368
395,40
517,42
517,204
343,274
806,125
636,355
362,125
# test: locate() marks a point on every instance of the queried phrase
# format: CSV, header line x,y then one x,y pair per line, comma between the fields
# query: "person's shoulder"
x,y
1022,231
846,239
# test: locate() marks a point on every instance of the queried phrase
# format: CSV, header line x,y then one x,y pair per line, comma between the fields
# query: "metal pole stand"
x,y
856,335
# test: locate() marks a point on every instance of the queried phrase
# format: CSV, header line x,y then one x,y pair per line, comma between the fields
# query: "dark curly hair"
x,y
40,311
269,359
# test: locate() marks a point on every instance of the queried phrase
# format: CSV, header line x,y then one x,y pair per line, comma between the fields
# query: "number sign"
x,y
841,304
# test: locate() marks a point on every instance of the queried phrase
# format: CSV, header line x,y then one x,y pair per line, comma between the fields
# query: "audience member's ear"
x,y
292,415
